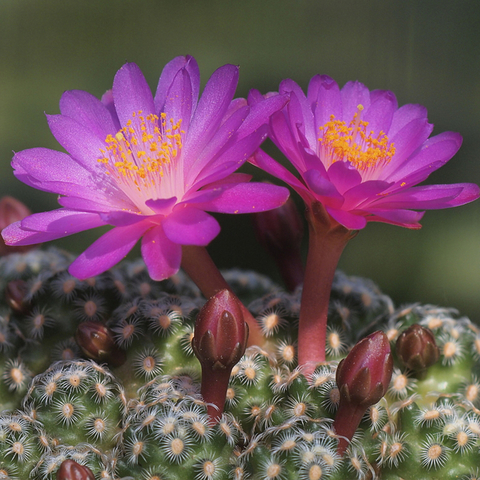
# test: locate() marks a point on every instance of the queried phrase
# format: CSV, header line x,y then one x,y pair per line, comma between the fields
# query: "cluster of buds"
x,y
219,341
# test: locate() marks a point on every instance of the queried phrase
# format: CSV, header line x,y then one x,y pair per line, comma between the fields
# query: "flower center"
x,y
141,154
355,144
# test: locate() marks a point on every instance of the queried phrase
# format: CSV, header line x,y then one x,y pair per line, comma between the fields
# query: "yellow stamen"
x,y
141,153
353,143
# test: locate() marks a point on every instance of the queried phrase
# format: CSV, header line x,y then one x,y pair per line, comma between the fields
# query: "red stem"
x,y
347,420
200,267
327,239
214,391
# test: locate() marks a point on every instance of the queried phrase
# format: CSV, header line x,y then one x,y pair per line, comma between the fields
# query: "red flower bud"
x,y
417,349
363,378
12,210
15,293
280,232
97,342
71,470
219,342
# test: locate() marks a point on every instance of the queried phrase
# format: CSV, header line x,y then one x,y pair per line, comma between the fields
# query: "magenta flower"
x,y
360,155
150,166
359,158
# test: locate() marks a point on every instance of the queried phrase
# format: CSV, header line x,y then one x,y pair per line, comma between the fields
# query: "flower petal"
x,y
179,100
328,101
344,176
62,222
430,197
324,190
131,93
190,226
162,206
107,100
162,256
15,235
266,162
436,150
82,144
169,72
380,113
48,165
247,198
221,138
107,251
347,219
88,111
402,218
260,114
211,108
365,192
354,94
121,218
46,226
95,202
404,115
299,111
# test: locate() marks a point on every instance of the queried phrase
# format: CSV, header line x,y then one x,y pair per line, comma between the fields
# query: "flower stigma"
x,y
355,144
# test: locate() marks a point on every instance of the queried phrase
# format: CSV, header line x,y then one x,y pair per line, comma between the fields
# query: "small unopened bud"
x,y
11,211
219,341
417,349
97,342
15,293
280,232
362,378
71,470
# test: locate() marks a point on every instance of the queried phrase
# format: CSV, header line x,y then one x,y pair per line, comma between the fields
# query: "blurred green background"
x,y
426,51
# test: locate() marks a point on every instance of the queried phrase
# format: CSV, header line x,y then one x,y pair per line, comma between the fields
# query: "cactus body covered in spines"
x,y
135,409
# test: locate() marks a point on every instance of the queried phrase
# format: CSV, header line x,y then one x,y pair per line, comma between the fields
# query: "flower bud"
x,y
11,211
363,378
97,342
417,349
219,341
15,293
220,332
280,232
71,470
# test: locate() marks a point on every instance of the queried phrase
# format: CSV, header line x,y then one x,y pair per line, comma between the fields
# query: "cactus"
x,y
101,374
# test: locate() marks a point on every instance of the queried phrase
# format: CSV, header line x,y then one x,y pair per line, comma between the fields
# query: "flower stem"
x,y
214,387
347,419
327,239
200,267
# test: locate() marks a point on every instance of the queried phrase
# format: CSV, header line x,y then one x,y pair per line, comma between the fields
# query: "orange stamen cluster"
x,y
353,143
141,152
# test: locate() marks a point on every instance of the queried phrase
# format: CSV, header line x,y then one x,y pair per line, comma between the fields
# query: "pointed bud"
x,y
219,341
280,232
11,211
71,470
417,349
363,378
97,342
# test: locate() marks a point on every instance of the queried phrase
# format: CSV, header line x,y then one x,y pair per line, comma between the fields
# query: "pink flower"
x,y
150,166
360,155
